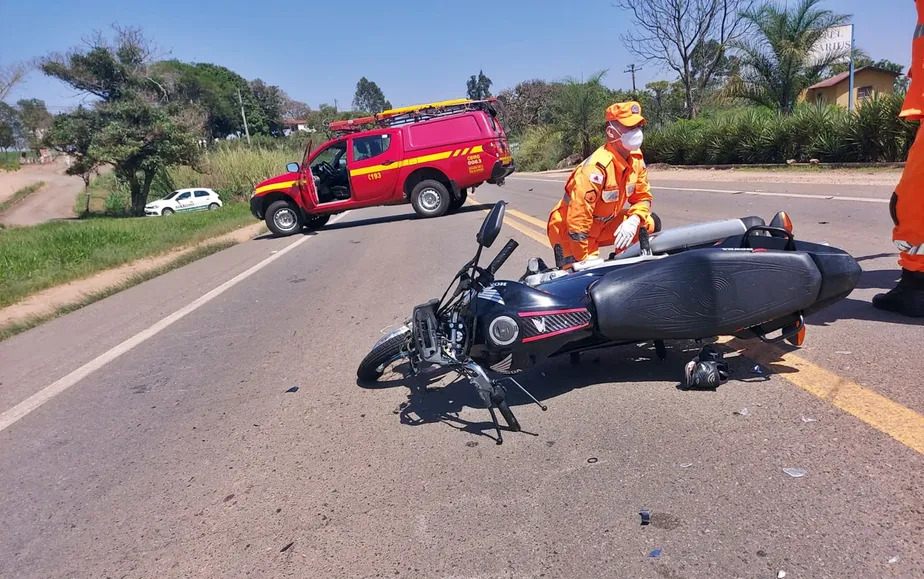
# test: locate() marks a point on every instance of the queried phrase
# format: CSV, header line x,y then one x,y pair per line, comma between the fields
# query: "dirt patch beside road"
x,y
54,201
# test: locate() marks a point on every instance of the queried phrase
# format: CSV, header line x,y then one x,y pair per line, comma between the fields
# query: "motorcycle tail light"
x,y
503,330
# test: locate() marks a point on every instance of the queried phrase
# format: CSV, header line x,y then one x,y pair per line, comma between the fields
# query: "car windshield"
x,y
171,195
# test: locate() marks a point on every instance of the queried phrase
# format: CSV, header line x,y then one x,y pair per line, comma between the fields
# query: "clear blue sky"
x,y
416,51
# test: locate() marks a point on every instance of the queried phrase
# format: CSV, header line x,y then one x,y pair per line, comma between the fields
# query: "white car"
x,y
183,201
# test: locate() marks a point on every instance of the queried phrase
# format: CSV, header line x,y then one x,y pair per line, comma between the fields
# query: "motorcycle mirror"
x,y
491,227
292,168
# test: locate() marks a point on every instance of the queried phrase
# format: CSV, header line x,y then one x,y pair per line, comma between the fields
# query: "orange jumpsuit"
x,y
592,208
907,205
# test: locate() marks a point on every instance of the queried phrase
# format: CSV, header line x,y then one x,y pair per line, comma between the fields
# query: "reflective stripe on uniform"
x,y
919,31
578,236
606,219
906,247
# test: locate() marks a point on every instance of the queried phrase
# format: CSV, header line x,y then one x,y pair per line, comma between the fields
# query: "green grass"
x,y
9,330
20,195
43,256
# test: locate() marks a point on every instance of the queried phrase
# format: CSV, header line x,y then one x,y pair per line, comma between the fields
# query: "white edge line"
x,y
734,191
33,402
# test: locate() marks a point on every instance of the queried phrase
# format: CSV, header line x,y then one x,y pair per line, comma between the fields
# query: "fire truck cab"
x,y
429,155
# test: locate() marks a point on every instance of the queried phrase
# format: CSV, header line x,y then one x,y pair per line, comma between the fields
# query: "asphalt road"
x,y
185,456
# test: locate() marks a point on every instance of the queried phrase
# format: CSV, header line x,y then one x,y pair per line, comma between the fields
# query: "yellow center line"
x,y
885,415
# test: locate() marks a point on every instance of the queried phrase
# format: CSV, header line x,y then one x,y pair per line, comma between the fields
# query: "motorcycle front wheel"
x,y
388,350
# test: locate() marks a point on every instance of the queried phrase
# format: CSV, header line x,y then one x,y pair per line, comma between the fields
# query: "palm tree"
x,y
578,111
776,61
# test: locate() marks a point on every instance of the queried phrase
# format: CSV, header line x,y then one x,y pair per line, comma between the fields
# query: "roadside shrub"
x,y
871,133
540,149
232,172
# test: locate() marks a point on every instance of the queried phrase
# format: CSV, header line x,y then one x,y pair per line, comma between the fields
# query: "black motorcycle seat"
x,y
703,293
687,236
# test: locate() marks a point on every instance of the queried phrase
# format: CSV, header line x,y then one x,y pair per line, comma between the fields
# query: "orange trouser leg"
x,y
565,250
907,207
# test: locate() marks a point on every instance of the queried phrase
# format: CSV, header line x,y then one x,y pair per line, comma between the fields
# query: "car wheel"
x,y
430,198
317,221
456,204
213,206
167,211
283,218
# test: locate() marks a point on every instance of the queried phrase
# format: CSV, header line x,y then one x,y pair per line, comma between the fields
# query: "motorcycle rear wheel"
x,y
373,365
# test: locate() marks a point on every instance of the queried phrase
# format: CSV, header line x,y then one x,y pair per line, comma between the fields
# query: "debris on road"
x,y
844,352
806,419
592,460
757,370
742,412
794,472
292,389
686,465
646,517
781,575
894,560
287,547
655,553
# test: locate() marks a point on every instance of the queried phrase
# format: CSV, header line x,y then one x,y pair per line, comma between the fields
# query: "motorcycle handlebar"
x,y
501,257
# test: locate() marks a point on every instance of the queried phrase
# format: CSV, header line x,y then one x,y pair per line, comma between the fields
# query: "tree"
x,y
777,63
479,86
35,120
293,109
9,126
135,127
527,104
219,91
689,37
578,109
369,97
270,100
10,76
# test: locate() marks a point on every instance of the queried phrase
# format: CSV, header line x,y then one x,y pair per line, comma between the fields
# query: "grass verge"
x,y
43,256
20,195
9,330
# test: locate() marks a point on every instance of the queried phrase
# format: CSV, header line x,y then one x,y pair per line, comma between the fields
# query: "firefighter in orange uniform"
x,y
590,214
907,205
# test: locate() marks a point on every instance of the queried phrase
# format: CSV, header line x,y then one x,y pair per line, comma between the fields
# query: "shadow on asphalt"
x,y
616,367
854,309
381,220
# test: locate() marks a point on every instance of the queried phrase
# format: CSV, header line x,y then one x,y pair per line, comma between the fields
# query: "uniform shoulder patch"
x,y
596,178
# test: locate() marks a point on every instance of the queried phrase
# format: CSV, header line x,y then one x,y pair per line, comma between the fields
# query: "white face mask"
x,y
633,139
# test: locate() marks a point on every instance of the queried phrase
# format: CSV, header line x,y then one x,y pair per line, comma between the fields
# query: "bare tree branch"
x,y
671,31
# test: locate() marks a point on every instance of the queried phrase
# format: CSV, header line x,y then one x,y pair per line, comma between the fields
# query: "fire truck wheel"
x,y
430,198
283,218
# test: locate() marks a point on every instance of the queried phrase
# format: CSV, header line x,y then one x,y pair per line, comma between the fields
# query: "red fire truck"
x,y
427,155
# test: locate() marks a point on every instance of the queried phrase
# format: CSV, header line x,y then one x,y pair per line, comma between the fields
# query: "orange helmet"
x,y
628,114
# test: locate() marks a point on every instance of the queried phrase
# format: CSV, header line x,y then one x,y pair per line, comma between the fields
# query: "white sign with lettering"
x,y
835,42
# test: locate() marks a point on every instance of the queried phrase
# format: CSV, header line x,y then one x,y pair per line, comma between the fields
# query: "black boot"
x,y
906,298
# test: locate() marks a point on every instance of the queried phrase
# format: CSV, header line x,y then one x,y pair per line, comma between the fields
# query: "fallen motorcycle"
x,y
737,277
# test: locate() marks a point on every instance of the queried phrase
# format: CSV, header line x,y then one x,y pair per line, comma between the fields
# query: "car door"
x,y
184,201
373,163
201,200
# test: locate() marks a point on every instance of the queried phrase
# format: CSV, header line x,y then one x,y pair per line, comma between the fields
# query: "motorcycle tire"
x,y
368,370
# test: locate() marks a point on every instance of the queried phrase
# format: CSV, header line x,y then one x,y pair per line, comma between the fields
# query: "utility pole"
x,y
243,115
632,69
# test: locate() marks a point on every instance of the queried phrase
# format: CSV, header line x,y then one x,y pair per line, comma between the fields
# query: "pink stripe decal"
x,y
559,332
550,313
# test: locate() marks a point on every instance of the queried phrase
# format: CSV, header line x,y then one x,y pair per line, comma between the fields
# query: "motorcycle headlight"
x,y
503,330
